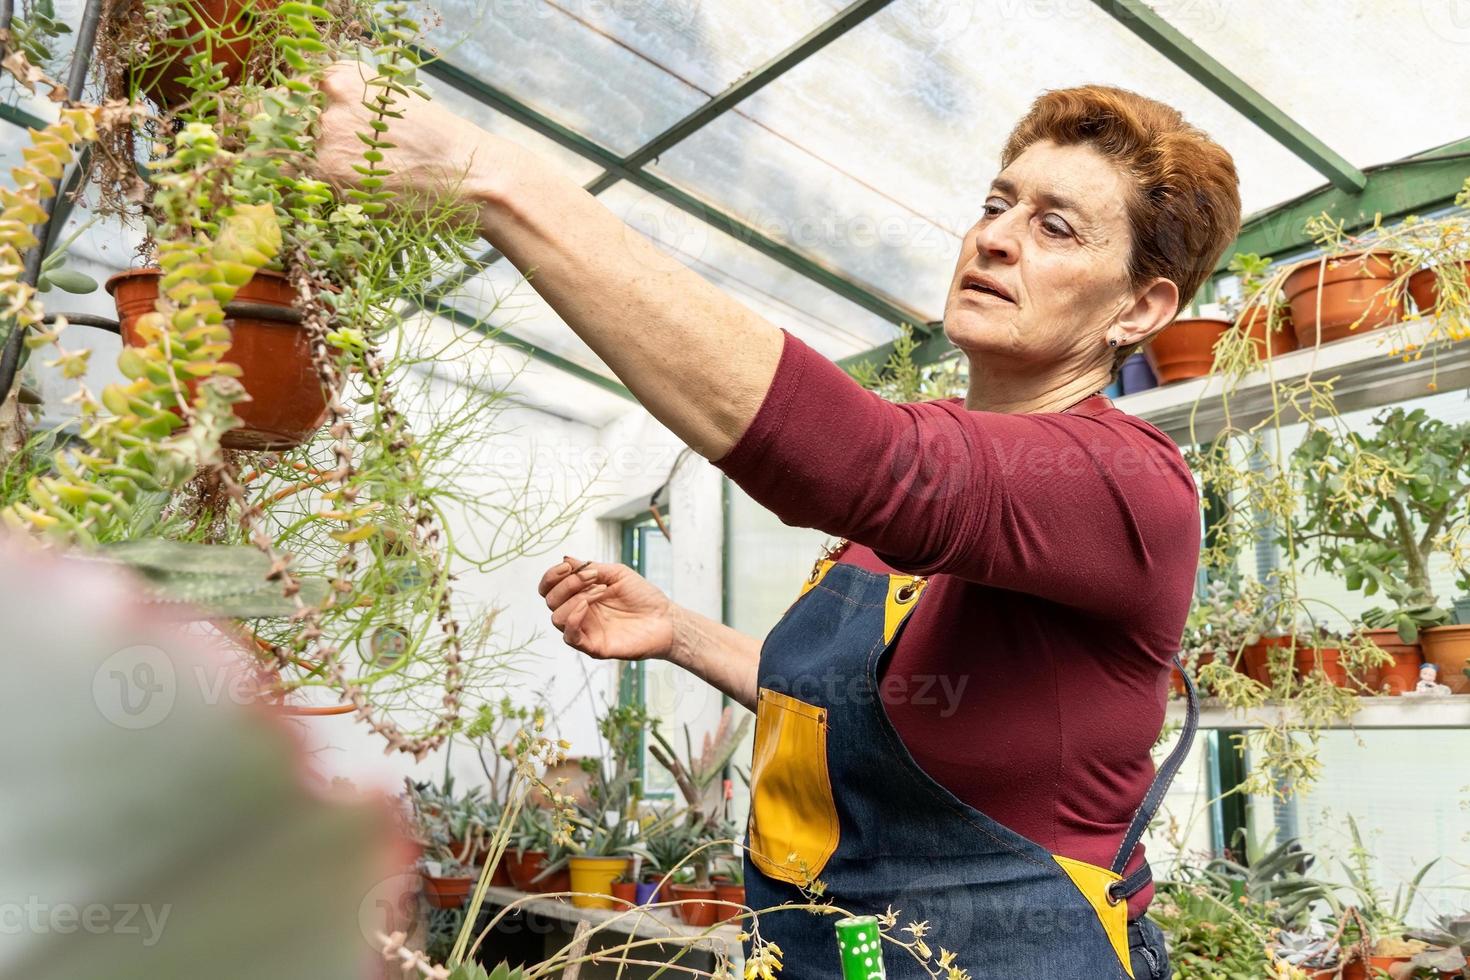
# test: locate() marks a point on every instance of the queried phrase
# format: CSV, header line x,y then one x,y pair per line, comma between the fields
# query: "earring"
x,y
1112,343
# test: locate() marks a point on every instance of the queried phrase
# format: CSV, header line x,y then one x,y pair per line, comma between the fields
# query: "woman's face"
x,y
1054,240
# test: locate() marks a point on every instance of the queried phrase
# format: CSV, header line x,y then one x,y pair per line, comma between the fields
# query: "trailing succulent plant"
x,y
355,553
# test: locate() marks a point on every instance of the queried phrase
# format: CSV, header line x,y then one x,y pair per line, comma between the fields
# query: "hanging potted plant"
x,y
190,448
1337,295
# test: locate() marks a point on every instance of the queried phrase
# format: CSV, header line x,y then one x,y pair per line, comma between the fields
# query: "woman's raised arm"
x,y
695,358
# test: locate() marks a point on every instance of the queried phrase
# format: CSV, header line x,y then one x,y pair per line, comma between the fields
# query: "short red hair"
x,y
1185,209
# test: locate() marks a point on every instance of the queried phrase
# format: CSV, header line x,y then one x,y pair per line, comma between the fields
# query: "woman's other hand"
x,y
608,611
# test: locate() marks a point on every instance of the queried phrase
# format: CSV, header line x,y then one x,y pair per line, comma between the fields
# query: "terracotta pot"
x,y
698,906
1448,648
624,891
447,893
1424,288
594,875
1280,341
1185,348
557,881
522,869
1309,659
1353,289
1377,966
232,26
1257,657
1403,673
732,900
287,403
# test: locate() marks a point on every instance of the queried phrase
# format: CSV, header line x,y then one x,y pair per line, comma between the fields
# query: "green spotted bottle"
x,y
860,947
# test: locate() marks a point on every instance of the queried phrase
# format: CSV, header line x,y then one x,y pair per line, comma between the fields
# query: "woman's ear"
x,y
1151,311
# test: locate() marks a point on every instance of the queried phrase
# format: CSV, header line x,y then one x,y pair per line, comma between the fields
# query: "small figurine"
x,y
1428,685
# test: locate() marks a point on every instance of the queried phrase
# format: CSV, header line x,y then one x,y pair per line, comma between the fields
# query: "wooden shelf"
x,y
1366,374
1378,713
650,923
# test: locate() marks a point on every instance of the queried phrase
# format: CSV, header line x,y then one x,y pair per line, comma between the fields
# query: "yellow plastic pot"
x,y
595,876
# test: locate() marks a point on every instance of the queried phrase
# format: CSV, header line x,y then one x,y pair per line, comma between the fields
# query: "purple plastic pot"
x,y
645,892
1137,375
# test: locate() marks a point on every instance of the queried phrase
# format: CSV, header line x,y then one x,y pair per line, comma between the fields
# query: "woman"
x,y
955,718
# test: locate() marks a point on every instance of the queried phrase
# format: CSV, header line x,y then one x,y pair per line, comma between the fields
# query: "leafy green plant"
x,y
1378,506
901,379
351,527
1411,613
1449,941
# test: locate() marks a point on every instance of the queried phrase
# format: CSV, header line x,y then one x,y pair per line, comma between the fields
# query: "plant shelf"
x,y
1366,374
1381,713
650,924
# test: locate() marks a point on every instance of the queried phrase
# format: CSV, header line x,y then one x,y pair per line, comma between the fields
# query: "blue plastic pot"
x,y
1114,390
1137,376
1462,610
645,891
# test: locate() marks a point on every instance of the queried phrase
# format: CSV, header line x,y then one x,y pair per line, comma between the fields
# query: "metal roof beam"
x,y
629,168
1232,89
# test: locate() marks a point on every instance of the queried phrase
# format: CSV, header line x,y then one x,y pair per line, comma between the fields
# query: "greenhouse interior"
x,y
707,488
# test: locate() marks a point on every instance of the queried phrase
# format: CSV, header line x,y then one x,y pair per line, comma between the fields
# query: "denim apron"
x,y
837,798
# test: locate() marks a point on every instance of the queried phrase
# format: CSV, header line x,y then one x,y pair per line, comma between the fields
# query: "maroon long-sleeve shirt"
x,y
1061,550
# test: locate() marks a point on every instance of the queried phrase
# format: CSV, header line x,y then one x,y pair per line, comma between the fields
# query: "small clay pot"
x,y
1185,348
1448,648
233,26
731,899
1377,966
1327,659
1403,673
1353,289
697,906
287,403
447,893
624,891
1257,657
1424,288
1280,341
523,868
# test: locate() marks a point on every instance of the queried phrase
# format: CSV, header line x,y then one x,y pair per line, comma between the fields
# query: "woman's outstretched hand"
x,y
435,154
608,611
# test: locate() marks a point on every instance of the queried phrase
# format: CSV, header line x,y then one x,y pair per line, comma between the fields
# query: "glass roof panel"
x,y
830,324
899,126
618,73
573,165
1374,81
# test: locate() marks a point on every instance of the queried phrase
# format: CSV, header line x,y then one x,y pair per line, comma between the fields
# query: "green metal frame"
x,y
633,681
630,167
19,117
1160,35
1415,184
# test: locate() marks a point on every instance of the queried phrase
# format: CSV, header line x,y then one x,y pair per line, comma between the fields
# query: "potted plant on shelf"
x,y
1185,348
624,889
447,883
1395,630
1380,507
1261,315
1449,946
1371,926
729,882
1340,293
1442,287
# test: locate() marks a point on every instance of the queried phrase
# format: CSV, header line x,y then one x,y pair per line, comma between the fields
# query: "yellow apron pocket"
x,y
793,819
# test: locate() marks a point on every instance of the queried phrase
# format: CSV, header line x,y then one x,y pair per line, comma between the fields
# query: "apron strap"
x,y
1128,886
